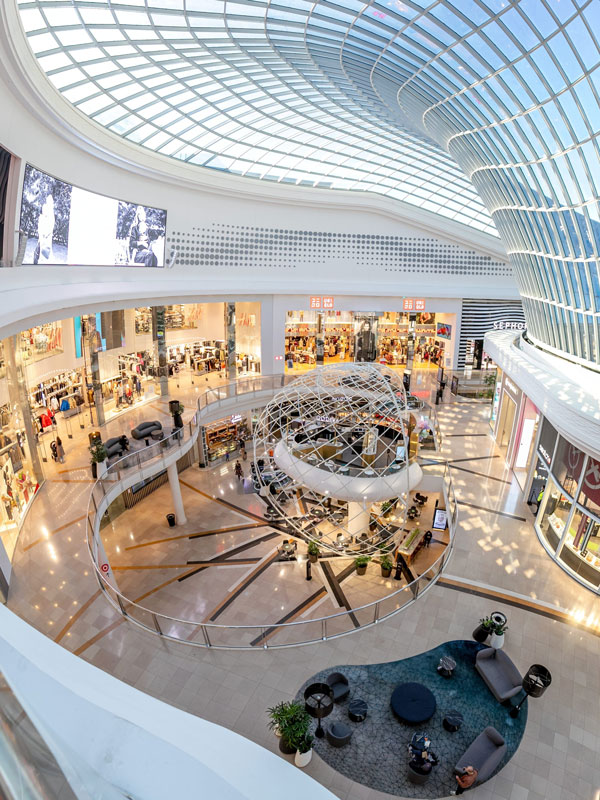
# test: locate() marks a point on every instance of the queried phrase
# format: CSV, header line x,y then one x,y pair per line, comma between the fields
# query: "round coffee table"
x,y
357,710
413,703
452,721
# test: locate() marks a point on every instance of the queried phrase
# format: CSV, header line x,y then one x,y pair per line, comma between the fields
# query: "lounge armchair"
x,y
338,734
339,686
117,445
500,674
484,753
144,429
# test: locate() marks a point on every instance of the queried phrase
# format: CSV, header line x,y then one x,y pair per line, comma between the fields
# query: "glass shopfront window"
x,y
568,519
554,512
581,549
567,466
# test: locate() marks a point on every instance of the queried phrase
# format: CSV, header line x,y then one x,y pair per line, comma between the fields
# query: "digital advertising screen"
x,y
440,519
104,331
68,225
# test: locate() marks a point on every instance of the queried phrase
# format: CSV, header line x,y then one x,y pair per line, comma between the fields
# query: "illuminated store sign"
x,y
317,301
509,326
413,304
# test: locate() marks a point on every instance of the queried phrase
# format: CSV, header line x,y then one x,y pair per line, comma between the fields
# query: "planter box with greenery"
x,y
313,552
360,562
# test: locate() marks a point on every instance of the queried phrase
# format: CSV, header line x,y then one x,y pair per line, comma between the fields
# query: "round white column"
x,y
358,519
178,508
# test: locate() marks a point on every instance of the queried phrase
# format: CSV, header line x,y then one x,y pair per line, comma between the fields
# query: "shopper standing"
x,y
239,473
60,450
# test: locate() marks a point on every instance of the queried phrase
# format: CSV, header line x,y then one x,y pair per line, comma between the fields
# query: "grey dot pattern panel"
x,y
224,245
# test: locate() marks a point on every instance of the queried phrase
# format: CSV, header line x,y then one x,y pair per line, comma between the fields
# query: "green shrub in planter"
x,y
313,552
360,562
386,564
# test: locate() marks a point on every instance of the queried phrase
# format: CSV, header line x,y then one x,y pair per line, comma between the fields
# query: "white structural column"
x,y
358,519
272,334
178,508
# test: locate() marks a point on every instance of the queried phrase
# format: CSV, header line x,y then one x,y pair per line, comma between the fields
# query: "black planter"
x,y
480,634
385,573
171,520
94,470
177,421
285,746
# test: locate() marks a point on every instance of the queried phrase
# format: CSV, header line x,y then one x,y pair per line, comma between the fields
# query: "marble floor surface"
x,y
497,562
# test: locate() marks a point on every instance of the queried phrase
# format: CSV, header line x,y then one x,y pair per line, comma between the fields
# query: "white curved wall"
x,y
112,740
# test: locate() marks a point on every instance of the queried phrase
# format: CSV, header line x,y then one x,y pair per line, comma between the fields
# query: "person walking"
x,y
60,450
239,472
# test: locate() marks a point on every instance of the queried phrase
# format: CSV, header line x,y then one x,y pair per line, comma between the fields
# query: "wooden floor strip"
x,y
221,563
338,592
491,510
54,532
98,636
481,474
197,535
491,593
290,616
225,503
234,551
82,609
213,615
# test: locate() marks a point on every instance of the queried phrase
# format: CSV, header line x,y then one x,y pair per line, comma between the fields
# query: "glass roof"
x,y
280,91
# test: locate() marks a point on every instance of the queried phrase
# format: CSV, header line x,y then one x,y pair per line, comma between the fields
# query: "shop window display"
x,y
41,341
17,483
554,514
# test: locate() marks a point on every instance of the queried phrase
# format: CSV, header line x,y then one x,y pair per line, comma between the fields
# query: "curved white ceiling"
x,y
275,90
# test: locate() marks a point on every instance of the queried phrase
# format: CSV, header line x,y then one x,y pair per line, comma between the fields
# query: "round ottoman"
x,y
357,710
413,703
452,721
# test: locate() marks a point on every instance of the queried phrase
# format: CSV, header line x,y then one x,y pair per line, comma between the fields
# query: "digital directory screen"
x,y
68,225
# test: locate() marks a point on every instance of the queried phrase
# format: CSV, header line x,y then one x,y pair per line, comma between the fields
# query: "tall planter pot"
x,y
480,634
285,746
302,759
497,641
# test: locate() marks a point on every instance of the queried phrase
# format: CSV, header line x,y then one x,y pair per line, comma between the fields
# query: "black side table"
x,y
357,710
452,721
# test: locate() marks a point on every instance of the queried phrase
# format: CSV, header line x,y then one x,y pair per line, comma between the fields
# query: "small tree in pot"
x,y
360,562
98,456
313,552
176,409
386,564
290,721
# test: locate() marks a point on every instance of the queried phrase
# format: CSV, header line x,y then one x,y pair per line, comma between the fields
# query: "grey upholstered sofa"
x,y
484,753
498,671
144,429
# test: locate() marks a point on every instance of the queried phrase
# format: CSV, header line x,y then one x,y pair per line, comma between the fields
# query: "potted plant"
x,y
386,509
360,562
484,629
313,552
99,456
289,721
386,564
304,751
497,640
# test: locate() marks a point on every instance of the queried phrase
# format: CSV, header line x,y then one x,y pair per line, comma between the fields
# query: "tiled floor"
x,y
496,546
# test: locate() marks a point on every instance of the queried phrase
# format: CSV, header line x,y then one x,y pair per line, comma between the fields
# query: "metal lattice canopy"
x,y
331,456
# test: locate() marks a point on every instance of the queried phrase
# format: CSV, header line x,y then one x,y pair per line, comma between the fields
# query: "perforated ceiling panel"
x,y
245,246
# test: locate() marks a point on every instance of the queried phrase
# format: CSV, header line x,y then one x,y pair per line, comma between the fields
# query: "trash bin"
x,y
171,520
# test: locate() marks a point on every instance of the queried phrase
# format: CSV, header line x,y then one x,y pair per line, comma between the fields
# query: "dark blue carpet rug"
x,y
377,755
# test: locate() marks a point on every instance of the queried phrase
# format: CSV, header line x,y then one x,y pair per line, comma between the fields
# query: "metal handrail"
x,y
159,623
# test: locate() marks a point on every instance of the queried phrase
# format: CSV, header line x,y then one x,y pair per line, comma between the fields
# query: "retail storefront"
x,y
515,421
220,439
394,338
565,483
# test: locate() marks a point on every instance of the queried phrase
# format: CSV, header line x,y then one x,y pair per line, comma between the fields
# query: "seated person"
x,y
465,780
